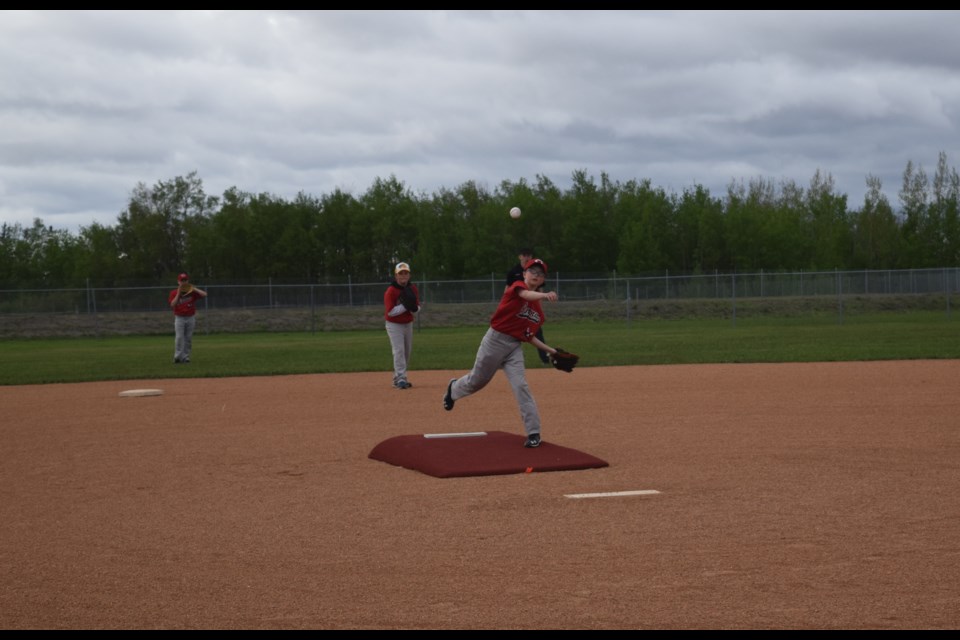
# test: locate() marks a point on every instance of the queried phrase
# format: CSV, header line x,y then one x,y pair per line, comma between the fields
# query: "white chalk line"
x,y
613,494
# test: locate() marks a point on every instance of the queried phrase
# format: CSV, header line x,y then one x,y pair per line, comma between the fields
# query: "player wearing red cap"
x,y
517,319
183,301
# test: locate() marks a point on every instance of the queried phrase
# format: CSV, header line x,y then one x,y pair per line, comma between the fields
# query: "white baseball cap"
x,y
402,266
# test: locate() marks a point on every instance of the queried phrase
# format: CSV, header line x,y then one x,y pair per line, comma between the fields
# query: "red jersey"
x,y
187,305
517,317
391,298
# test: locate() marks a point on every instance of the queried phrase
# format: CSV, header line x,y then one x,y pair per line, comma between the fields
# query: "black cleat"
x,y
533,441
448,396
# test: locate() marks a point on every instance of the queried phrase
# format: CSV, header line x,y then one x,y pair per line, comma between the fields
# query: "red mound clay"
x,y
492,453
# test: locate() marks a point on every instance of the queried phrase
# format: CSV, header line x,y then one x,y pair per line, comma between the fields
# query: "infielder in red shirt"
x,y
401,301
517,319
183,301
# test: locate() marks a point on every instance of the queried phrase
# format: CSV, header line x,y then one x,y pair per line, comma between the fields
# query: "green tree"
x,y
9,234
152,231
338,236
101,260
549,206
295,239
444,234
791,234
943,214
876,234
832,244
915,227
389,216
748,208
37,256
699,224
646,234
228,243
712,254
589,242
531,230
486,234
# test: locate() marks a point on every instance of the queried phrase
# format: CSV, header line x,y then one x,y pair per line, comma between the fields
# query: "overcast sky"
x,y
282,102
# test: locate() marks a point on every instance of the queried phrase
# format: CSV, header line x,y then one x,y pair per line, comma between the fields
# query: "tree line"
x,y
592,227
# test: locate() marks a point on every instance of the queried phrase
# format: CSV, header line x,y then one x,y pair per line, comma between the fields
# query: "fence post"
x,y
96,319
423,297
628,303
839,296
946,285
313,312
733,293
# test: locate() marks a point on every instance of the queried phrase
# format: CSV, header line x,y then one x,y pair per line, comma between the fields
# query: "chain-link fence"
x,y
311,307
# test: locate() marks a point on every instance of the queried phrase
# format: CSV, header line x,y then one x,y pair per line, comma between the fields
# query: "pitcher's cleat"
x,y
448,396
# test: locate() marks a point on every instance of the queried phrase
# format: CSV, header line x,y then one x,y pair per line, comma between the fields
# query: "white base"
x,y
136,393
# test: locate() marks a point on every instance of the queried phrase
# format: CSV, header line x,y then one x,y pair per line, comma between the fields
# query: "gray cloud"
x,y
94,102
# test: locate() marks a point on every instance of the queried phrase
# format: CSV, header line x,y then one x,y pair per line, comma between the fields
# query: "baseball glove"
x,y
185,288
564,360
409,300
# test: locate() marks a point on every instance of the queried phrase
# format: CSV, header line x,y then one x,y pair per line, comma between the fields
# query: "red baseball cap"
x,y
536,262
182,277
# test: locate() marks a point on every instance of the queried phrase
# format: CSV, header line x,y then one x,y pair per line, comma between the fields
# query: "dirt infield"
x,y
792,496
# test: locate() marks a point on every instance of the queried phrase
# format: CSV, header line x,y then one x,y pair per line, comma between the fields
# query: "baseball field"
x,y
819,493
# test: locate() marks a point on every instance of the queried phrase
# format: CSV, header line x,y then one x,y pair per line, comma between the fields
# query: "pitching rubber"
x,y
137,393
465,434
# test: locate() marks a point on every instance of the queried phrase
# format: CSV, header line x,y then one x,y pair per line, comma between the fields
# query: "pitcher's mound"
x,y
482,453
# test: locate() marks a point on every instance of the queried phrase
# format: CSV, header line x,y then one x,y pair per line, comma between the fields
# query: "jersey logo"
x,y
529,314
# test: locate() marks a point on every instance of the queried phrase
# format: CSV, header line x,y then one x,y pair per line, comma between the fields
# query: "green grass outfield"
x,y
882,336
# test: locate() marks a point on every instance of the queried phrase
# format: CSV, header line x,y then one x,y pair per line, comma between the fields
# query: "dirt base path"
x,y
791,496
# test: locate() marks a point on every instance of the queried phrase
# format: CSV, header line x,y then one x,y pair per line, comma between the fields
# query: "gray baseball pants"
x,y
498,350
183,343
401,343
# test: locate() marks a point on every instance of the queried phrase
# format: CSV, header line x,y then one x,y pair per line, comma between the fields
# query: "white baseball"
x,y
515,212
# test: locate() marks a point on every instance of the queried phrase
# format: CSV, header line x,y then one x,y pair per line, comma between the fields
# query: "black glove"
x,y
564,360
409,300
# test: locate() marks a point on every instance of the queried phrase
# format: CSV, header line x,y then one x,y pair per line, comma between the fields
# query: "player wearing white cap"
x,y
401,301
